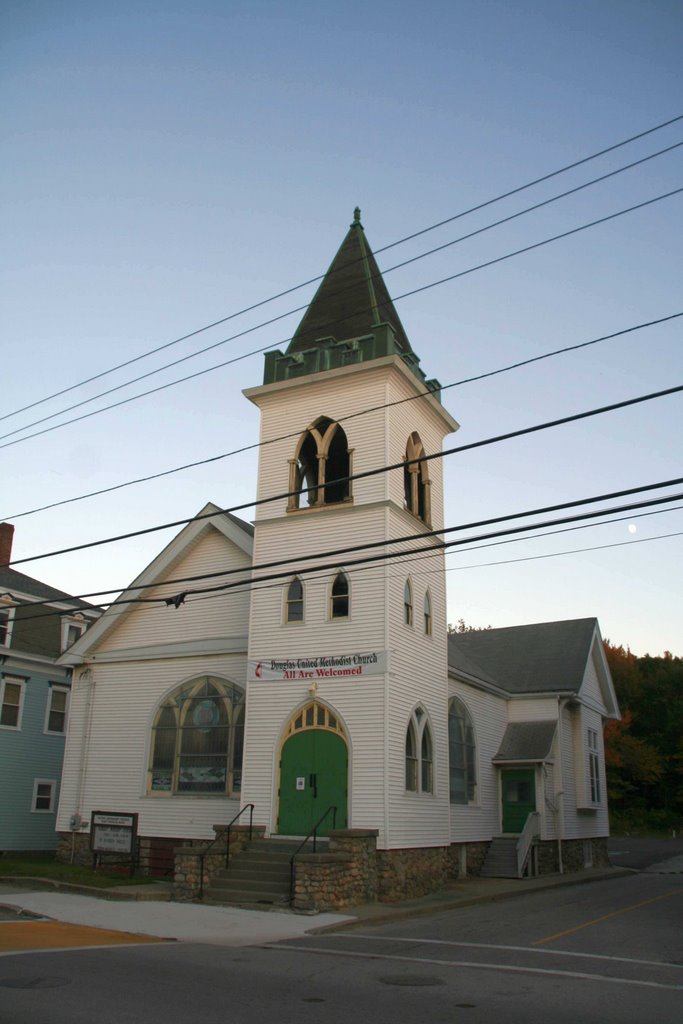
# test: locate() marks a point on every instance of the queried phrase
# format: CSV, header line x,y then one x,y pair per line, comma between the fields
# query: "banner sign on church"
x,y
330,666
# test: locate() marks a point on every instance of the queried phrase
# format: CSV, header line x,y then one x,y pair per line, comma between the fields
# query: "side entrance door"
x,y
519,797
313,777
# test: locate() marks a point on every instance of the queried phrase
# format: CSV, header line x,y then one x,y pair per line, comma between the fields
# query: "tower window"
x,y
428,614
321,467
294,601
416,483
408,604
339,597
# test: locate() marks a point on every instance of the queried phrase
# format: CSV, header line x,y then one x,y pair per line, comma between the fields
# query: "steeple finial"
x,y
356,218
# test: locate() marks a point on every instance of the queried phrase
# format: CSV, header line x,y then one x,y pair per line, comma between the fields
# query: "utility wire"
x,y
350,416
370,545
340,291
410,554
404,295
365,474
314,280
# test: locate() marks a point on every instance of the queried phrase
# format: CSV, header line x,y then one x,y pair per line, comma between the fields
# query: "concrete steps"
x,y
258,875
501,859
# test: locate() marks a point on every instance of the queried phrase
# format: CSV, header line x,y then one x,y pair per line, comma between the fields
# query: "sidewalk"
x,y
147,910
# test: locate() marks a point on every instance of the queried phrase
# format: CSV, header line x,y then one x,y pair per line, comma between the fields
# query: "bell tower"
x,y
347,685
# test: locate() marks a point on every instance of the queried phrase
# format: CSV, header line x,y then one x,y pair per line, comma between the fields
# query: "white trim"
x,y
21,683
56,688
68,621
9,607
52,783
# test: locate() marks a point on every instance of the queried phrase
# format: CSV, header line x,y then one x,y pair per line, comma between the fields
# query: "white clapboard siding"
x,y
224,615
534,709
106,764
591,692
375,711
579,821
479,821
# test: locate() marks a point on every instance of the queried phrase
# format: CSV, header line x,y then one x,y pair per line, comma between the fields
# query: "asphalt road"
x,y
644,853
607,951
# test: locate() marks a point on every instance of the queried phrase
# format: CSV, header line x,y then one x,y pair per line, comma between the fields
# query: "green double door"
x,y
313,777
519,797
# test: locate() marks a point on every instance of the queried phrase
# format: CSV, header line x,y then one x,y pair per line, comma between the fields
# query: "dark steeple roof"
x,y
352,299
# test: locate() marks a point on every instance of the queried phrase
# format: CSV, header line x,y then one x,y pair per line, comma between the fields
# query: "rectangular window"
x,y
11,702
71,632
4,627
594,766
57,704
43,796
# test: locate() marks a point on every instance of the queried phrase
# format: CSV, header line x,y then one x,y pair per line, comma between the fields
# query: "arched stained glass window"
x,y
461,754
419,754
197,739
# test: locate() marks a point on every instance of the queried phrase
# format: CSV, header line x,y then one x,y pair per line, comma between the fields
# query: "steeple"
x,y
351,319
352,298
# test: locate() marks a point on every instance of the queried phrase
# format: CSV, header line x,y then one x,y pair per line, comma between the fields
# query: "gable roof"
x,y
12,581
526,741
545,657
352,298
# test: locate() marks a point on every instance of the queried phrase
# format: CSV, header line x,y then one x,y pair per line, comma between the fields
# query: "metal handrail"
x,y
528,834
314,835
227,843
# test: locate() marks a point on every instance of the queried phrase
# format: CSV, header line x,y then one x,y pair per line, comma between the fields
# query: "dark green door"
x,y
519,797
313,772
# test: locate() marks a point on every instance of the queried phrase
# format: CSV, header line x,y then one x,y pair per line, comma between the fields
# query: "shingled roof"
x,y
352,298
12,581
526,741
545,657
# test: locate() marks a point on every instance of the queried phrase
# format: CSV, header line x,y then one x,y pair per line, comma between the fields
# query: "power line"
x,y
373,277
343,419
314,280
404,295
408,555
366,473
371,545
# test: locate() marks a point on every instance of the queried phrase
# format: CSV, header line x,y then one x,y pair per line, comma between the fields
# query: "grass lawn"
x,y
45,866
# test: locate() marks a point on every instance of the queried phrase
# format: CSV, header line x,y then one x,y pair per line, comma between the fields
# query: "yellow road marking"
x,y
25,935
606,917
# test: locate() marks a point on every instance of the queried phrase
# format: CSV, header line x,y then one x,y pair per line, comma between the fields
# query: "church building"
x,y
297,674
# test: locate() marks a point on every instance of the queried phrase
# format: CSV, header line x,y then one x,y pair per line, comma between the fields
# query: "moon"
x,y
632,527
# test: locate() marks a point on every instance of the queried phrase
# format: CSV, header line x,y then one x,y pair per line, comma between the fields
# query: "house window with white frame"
x,y
72,630
6,621
43,800
57,705
594,766
419,757
11,702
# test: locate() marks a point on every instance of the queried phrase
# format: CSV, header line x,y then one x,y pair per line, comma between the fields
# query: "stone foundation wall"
x,y
187,879
74,848
406,874
475,855
341,877
573,855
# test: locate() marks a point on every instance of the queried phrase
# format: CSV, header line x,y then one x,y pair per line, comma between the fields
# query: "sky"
x,y
167,165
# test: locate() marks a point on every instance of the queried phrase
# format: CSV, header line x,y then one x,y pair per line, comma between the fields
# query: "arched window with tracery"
x,y
461,753
320,467
416,483
408,603
197,739
428,614
419,757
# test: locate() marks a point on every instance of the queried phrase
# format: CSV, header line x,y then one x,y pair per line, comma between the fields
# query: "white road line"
x,y
476,966
515,949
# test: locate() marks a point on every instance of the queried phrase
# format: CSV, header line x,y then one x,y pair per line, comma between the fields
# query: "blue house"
x,y
37,623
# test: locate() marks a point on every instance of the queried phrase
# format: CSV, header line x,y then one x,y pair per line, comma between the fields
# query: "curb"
x,y
436,906
143,893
